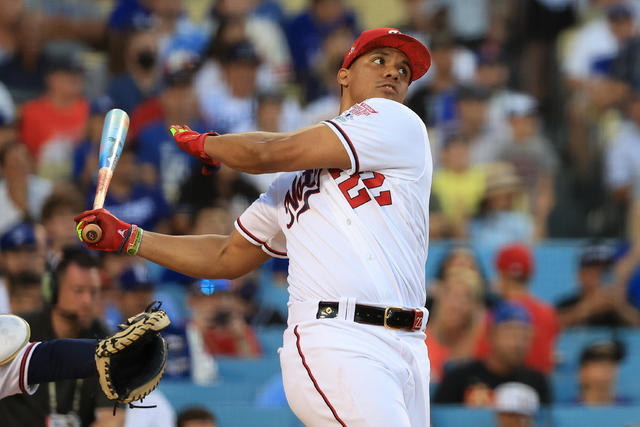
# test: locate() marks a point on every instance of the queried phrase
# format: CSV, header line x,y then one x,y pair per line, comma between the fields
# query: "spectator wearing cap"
x,y
20,247
160,160
594,303
516,405
140,80
598,374
18,254
54,124
502,217
532,156
25,292
232,103
473,384
134,290
458,185
58,212
22,192
514,266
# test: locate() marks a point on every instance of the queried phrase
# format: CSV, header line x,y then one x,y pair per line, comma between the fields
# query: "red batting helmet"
x,y
418,54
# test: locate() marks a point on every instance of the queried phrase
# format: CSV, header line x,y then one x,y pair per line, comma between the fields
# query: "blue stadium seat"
x,y
256,371
554,276
185,393
618,416
247,415
270,339
456,415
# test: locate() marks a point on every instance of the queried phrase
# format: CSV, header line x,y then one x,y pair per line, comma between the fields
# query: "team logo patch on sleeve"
x,y
361,109
296,201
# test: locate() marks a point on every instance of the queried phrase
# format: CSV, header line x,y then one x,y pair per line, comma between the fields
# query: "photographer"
x,y
218,314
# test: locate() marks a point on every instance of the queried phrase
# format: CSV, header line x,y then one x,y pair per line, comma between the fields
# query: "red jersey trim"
x,y
247,234
353,150
315,383
22,378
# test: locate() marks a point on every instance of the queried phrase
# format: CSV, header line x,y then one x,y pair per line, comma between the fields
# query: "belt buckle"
x,y
386,316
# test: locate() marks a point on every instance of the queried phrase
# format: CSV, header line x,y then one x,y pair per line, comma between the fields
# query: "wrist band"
x,y
133,243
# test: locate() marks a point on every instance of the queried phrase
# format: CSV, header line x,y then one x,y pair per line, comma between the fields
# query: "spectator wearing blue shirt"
x,y
162,162
306,32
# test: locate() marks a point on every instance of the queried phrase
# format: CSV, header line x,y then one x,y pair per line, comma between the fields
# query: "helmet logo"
x,y
394,32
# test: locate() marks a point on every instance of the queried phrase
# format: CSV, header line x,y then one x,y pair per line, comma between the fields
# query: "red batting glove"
x,y
117,235
192,142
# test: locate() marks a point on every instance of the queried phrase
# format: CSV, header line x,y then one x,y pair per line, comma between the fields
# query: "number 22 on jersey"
x,y
353,187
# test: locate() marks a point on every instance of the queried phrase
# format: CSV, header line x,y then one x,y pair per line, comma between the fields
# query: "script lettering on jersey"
x,y
302,187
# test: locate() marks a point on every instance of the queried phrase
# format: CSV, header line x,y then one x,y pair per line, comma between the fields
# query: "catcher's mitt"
x,y
131,362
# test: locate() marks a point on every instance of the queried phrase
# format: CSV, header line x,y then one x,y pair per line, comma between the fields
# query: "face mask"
x,y
146,59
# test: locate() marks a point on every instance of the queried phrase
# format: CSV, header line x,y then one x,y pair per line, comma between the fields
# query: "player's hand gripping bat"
x,y
114,133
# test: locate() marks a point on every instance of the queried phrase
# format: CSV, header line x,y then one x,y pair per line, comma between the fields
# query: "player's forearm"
x,y
245,152
195,256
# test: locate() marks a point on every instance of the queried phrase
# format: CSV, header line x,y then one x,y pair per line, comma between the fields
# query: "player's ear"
x,y
343,77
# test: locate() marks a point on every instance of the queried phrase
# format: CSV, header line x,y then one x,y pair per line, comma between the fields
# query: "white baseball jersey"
x,y
13,375
362,232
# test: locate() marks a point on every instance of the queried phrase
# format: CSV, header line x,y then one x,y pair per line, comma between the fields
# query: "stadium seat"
x,y
185,393
270,339
556,263
455,415
617,416
250,370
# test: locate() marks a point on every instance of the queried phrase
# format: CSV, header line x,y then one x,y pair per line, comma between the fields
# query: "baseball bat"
x,y
114,132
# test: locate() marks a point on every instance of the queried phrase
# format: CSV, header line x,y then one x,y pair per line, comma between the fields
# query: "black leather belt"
x,y
389,317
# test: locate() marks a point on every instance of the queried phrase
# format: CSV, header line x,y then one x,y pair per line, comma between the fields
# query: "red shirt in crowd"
x,y
42,121
545,329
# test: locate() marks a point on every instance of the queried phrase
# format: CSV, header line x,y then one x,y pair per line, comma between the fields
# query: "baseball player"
x,y
24,364
352,217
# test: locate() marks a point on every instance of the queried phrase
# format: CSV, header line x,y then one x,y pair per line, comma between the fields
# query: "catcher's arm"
x,y
205,256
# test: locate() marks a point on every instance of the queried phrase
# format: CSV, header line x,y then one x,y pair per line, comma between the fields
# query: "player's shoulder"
x,y
393,111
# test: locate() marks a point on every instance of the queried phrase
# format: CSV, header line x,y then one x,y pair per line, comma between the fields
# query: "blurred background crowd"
x,y
533,114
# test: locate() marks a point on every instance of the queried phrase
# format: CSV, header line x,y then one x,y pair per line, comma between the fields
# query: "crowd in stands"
x,y
533,113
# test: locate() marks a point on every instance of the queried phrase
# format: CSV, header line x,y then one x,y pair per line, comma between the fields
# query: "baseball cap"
x,y
596,254
19,237
603,350
515,260
521,104
240,52
100,104
418,54
500,176
510,312
135,278
68,62
180,67
619,11
473,93
516,398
